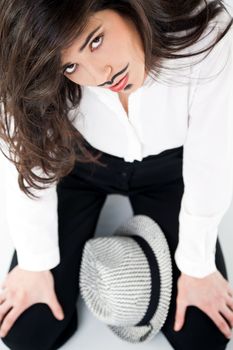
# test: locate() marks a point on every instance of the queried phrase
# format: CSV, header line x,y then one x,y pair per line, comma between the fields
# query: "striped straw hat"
x,y
126,279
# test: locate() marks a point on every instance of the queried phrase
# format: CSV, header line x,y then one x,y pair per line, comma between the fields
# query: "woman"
x,y
103,97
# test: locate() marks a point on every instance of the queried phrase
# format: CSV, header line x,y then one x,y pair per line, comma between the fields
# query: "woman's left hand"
x,y
212,294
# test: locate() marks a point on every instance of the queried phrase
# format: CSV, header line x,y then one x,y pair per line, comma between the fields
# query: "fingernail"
x,y
61,317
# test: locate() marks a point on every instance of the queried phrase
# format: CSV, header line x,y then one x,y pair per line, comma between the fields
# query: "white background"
x,y
116,208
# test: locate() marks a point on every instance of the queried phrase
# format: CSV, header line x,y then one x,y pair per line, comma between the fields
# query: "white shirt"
x,y
160,117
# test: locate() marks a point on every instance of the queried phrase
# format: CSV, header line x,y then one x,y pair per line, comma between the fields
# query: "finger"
x,y
9,321
221,323
229,302
180,315
2,297
56,307
228,314
4,308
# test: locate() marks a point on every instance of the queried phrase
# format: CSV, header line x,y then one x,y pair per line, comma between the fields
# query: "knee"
x,y
34,329
198,332
208,335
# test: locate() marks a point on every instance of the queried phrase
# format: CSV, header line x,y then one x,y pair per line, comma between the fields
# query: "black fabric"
x,y
154,187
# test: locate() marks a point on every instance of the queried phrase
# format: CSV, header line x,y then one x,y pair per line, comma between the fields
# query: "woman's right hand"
x,y
23,288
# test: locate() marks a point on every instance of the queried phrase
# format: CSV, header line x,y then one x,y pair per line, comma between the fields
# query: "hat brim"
x,y
148,229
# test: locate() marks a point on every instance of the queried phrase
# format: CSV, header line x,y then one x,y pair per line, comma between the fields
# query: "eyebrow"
x,y
88,38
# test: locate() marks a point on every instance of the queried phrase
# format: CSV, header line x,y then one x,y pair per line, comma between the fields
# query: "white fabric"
x,y
161,116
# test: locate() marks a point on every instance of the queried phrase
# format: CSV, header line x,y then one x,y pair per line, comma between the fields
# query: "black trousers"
x,y
154,187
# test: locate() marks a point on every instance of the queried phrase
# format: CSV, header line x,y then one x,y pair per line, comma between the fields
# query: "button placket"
x,y
126,174
134,141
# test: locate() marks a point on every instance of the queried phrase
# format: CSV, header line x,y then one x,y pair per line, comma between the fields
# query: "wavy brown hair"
x,y
36,97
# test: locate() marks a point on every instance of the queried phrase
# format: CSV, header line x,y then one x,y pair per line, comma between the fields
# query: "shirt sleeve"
x,y
207,162
32,223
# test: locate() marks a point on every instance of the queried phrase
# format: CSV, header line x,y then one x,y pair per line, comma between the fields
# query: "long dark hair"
x,y
36,99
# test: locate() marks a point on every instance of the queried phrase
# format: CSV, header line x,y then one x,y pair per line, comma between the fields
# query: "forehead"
x,y
110,19
105,17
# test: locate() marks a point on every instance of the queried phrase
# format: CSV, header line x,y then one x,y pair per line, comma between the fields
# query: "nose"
x,y
100,75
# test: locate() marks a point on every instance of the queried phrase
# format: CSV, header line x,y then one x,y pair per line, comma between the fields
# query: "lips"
x,y
120,85
118,82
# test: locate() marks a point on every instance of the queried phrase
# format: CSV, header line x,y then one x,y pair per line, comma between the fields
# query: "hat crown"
x,y
116,277
126,279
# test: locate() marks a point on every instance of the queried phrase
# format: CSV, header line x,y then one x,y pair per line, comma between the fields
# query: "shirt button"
x,y
124,174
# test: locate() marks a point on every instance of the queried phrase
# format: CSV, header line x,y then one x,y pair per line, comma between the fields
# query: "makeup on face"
x,y
119,42
114,78
121,84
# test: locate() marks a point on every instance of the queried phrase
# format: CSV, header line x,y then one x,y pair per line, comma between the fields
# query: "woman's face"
x,y
113,49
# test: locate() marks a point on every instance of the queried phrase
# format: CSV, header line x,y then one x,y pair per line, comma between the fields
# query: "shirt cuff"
x,y
192,269
38,262
195,252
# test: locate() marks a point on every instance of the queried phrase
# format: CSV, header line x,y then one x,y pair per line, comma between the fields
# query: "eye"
x,y
70,69
96,44
99,42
